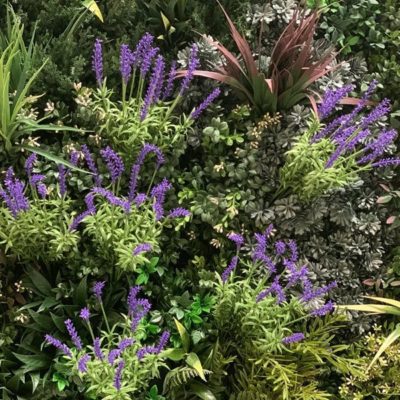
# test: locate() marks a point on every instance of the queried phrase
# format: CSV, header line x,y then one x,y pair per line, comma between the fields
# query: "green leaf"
x,y
202,391
40,282
174,354
184,335
142,279
56,159
193,361
33,362
387,343
80,295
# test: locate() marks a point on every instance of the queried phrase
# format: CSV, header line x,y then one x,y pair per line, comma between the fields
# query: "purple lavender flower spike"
x,y
152,89
325,309
140,199
91,165
280,247
378,146
237,239
82,363
97,61
169,87
97,349
310,294
147,60
232,265
179,213
150,148
386,162
145,350
275,288
111,198
98,288
113,355
142,308
351,145
331,99
114,162
193,65
263,294
209,99
125,63
378,112
294,256
77,220
142,248
29,163
132,298
141,49
74,158
294,338
42,190
296,276
73,333
15,198
163,341
335,155
160,83
118,375
125,343
62,174
133,182
59,345
158,192
85,314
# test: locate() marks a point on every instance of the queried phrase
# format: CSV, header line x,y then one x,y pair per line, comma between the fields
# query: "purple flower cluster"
x,y
91,164
13,194
138,308
97,349
154,88
179,213
276,289
142,48
97,61
125,66
58,344
82,363
142,248
208,100
294,338
97,289
73,334
158,194
229,269
154,349
114,162
192,66
85,314
349,132
118,375
237,238
169,87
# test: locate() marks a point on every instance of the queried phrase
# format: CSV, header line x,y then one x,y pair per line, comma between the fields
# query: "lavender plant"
x,y
150,97
116,365
276,324
331,156
122,228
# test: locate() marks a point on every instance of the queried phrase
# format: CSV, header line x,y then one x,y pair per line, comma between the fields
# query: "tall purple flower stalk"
x,y
125,63
331,100
192,66
97,289
147,60
229,269
141,49
151,94
154,349
82,363
142,248
294,338
179,213
97,349
237,238
73,334
118,375
97,61
59,345
158,193
114,162
13,194
209,99
169,87
91,164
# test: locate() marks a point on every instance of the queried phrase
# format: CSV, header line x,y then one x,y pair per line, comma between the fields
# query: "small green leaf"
x,y
202,391
94,9
173,354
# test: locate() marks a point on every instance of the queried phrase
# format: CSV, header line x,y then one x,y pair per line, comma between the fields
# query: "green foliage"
x,y
252,333
41,233
380,381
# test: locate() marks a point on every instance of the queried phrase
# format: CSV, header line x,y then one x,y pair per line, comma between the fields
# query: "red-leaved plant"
x,y
294,66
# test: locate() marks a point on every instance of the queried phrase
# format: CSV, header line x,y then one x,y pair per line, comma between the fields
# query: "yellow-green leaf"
x,y
385,300
372,308
94,9
184,335
193,361
165,21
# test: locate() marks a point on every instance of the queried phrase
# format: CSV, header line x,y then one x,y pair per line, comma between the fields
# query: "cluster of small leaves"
x,y
381,380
